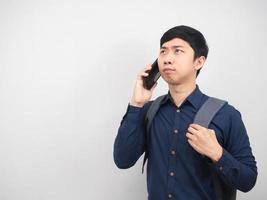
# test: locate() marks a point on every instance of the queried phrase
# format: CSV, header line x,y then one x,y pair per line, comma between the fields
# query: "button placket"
x,y
172,155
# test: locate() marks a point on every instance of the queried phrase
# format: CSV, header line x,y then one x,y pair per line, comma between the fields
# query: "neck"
x,y
181,91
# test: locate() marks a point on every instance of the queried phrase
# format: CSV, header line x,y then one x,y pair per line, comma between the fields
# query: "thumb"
x,y
212,132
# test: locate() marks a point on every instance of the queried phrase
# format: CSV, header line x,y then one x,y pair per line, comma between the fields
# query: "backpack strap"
x,y
152,110
208,110
204,117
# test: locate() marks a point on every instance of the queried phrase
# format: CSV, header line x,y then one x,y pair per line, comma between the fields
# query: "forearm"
x,y
130,140
239,174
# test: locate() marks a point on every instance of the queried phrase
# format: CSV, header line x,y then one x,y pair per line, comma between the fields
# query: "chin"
x,y
171,81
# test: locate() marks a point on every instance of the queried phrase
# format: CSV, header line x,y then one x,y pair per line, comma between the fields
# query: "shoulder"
x,y
154,104
158,99
225,121
229,111
227,115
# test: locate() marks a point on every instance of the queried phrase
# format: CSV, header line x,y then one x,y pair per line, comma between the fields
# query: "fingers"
x,y
195,134
193,130
144,72
197,130
197,126
191,136
194,146
192,133
211,131
148,67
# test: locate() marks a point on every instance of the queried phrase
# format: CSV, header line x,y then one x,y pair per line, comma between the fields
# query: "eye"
x,y
178,50
162,51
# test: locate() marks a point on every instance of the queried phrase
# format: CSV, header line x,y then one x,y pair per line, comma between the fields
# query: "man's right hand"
x,y
140,94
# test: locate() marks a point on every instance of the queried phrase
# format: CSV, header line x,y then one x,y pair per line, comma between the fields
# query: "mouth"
x,y
168,70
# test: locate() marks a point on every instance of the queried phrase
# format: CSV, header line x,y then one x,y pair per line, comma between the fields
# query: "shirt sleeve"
x,y
237,165
130,140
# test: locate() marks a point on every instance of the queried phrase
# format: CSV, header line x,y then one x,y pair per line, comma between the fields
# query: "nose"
x,y
166,62
168,59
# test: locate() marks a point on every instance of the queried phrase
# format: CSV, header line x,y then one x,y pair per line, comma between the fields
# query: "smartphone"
x,y
153,76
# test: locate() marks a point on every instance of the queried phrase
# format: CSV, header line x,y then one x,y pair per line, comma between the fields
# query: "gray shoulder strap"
x,y
208,110
203,117
153,110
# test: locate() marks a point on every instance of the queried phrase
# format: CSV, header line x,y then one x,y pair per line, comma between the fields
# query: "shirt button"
x,y
175,131
169,196
172,174
173,152
178,110
220,168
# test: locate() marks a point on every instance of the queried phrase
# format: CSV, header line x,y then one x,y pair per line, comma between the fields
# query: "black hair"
x,y
194,38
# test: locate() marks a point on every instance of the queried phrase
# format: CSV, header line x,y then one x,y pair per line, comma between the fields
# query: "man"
x,y
183,156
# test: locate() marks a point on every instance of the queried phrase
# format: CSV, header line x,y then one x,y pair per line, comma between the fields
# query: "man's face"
x,y
176,62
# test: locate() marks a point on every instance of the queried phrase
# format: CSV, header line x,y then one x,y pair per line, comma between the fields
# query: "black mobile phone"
x,y
153,76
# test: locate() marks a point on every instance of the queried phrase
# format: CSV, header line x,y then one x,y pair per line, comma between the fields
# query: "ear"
x,y
199,62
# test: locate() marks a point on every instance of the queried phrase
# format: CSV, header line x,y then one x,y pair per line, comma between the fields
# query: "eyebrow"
x,y
173,47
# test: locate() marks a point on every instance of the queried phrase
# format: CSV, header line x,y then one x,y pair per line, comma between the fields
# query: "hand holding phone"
x,y
153,76
144,85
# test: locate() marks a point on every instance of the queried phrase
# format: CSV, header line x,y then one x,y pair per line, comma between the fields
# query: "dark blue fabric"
x,y
174,169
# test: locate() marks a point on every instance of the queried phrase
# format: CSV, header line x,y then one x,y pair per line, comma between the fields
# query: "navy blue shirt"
x,y
174,169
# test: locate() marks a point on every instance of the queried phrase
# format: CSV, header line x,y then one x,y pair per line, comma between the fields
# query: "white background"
x,y
67,71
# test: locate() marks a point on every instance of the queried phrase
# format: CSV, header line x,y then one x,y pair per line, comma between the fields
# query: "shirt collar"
x,y
194,98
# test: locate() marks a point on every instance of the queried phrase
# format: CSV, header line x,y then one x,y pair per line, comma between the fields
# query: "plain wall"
x,y
67,71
